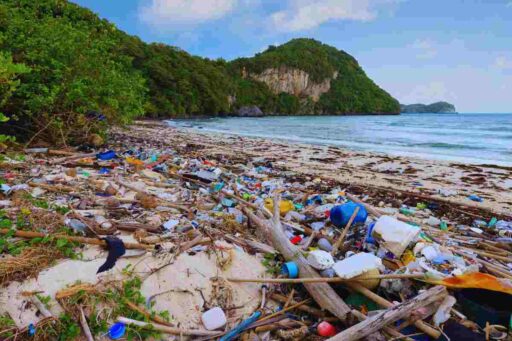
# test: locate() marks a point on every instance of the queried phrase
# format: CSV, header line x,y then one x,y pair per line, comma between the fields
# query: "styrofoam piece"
x,y
394,235
357,265
214,318
320,259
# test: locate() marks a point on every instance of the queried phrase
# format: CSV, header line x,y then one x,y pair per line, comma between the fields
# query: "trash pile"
x,y
145,240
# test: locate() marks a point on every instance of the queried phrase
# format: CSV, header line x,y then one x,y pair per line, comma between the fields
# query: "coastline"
x,y
450,182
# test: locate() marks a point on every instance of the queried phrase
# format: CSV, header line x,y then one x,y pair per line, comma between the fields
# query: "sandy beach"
x,y
379,176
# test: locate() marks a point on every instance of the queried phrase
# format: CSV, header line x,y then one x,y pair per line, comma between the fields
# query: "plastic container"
x,y
340,215
290,270
116,331
214,318
324,244
394,235
108,155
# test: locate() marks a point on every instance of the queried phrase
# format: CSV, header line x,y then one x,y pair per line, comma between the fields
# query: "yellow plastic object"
x,y
475,280
285,206
408,257
371,283
134,161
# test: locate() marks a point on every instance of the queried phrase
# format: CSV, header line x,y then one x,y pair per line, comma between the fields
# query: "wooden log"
x,y
322,293
167,329
434,333
394,313
83,240
391,331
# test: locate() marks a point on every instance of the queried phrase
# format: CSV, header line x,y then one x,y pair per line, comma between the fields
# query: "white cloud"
x,y
503,63
165,13
426,48
509,4
430,92
307,14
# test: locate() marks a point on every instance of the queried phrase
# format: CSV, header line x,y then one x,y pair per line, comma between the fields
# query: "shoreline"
x,y
447,181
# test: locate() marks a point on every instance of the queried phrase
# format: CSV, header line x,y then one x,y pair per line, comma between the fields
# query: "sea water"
x,y
470,138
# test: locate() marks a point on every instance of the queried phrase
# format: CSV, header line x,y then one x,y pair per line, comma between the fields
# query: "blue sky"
x,y
418,50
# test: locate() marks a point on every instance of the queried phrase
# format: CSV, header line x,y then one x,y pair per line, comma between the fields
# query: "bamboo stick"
x,y
83,240
324,279
305,308
167,329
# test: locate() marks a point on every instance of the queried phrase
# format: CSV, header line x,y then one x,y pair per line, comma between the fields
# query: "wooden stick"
x,y
52,188
340,240
282,311
289,298
85,326
434,333
167,329
393,313
72,157
144,312
326,280
82,240
305,308
322,293
368,207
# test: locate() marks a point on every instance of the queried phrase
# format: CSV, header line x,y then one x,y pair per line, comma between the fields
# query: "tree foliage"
x,y
79,62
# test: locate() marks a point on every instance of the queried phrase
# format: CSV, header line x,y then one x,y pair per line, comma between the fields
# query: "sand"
x,y
353,168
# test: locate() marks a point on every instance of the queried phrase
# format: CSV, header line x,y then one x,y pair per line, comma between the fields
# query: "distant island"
x,y
435,108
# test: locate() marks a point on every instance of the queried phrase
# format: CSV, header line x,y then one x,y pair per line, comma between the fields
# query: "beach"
x,y
450,182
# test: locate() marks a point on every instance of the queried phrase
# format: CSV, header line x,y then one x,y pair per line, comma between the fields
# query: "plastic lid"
x,y
117,330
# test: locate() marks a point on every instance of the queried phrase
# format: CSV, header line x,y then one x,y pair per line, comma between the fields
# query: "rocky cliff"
x,y
307,77
293,82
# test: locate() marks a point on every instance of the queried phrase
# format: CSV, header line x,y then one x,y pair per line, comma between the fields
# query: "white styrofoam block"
x,y
357,265
214,318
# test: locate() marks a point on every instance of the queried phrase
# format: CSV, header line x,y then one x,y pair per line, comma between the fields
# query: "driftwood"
x,y
387,329
434,333
394,313
322,293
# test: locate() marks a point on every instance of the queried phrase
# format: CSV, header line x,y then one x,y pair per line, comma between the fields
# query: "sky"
x,y
421,51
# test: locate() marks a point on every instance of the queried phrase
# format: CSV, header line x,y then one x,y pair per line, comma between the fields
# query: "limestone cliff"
x,y
293,81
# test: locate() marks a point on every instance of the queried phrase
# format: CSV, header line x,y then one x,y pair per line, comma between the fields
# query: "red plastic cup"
x,y
326,329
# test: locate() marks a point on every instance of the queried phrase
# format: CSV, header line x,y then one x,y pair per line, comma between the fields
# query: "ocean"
x,y
469,138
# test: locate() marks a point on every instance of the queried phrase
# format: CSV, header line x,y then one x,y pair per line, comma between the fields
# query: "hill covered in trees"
x,y
434,108
61,65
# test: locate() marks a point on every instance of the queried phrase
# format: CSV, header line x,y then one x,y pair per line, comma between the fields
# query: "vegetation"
x,y
437,107
65,73
351,92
